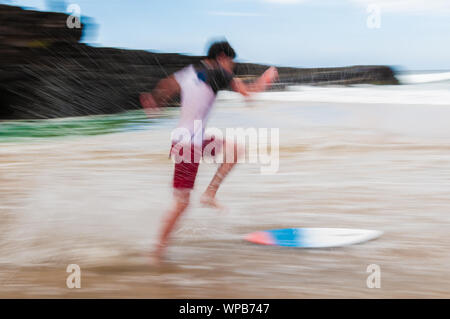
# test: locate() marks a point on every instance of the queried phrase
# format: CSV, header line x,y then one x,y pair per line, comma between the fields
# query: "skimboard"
x,y
312,237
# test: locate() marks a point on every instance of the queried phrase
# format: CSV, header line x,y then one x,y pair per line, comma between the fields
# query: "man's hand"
x,y
261,84
269,76
147,101
161,94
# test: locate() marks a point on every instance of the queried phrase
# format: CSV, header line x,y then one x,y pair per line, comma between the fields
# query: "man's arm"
x,y
261,84
164,91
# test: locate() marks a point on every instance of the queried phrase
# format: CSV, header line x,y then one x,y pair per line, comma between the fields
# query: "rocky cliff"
x,y
45,72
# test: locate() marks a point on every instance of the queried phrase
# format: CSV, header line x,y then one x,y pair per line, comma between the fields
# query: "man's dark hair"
x,y
218,48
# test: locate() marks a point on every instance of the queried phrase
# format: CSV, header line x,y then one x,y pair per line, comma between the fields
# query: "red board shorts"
x,y
186,172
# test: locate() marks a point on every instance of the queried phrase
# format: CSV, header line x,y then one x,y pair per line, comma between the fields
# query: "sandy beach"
x,y
98,200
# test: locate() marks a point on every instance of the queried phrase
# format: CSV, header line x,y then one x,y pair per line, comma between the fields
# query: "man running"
x,y
198,86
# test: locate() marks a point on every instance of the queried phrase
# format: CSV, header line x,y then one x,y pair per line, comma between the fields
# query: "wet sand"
x,y
97,201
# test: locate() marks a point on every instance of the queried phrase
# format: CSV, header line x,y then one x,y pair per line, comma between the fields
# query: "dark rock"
x,y
46,73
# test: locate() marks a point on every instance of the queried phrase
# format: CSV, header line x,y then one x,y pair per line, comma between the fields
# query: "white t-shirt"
x,y
197,99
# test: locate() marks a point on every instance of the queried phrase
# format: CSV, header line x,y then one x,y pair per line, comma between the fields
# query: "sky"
x,y
407,34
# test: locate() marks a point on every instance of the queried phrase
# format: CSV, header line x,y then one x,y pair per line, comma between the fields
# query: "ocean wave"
x,y
365,94
414,78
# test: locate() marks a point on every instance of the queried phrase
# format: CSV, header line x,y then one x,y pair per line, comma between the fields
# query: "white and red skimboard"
x,y
312,237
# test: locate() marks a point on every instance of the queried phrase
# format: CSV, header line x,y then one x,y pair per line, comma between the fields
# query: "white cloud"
x,y
408,6
285,1
424,6
235,14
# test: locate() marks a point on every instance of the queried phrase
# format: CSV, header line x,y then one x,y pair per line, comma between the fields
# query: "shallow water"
x,y
97,200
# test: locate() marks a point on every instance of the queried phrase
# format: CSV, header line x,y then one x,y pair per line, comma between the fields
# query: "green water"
x,y
12,131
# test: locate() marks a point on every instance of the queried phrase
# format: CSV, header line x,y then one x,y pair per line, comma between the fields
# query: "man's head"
x,y
223,54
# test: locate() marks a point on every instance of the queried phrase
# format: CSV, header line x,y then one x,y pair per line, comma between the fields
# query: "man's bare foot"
x,y
211,201
155,260
156,257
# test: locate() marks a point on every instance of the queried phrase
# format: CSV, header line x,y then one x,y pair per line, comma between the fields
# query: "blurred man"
x,y
198,86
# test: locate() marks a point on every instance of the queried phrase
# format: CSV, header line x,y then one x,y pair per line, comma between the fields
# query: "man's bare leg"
x,y
181,203
209,196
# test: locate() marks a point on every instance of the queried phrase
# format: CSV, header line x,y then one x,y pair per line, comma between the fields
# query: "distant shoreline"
x,y
45,72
